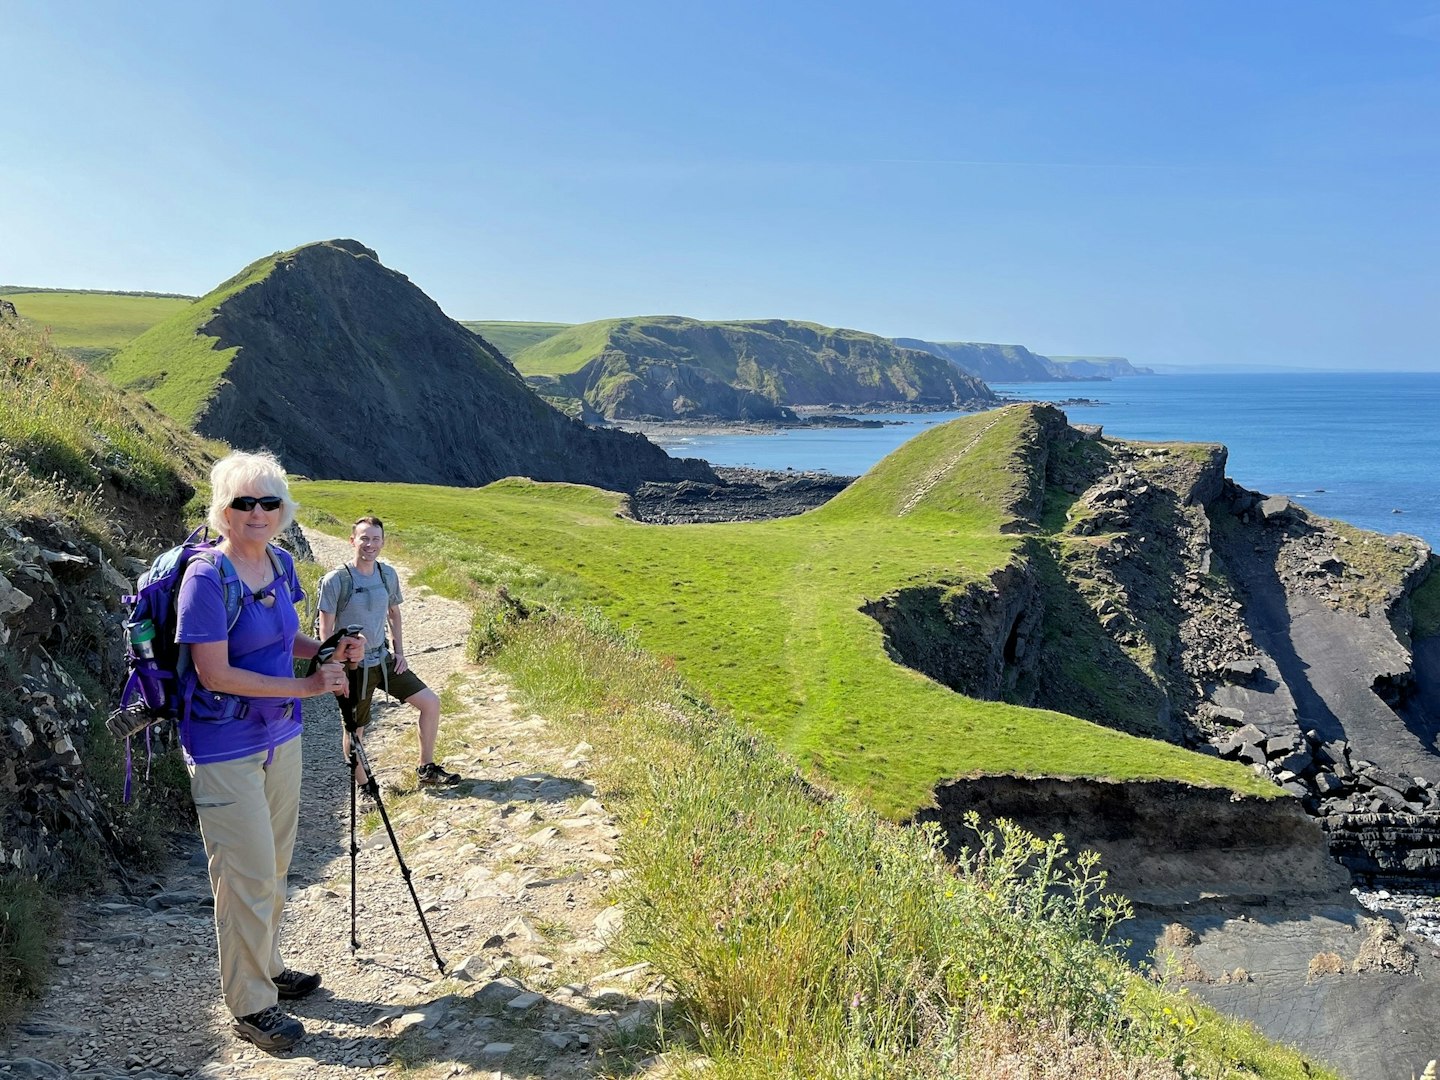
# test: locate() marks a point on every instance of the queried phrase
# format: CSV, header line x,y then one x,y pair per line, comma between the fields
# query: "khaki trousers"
x,y
248,817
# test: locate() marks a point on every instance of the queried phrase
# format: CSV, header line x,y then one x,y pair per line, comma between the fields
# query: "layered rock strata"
x,y
1158,597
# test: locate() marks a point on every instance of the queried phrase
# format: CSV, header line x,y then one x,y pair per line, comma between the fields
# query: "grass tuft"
x,y
28,917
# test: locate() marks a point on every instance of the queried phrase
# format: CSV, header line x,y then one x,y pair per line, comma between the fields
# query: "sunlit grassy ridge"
x,y
97,322
511,337
175,365
764,616
568,350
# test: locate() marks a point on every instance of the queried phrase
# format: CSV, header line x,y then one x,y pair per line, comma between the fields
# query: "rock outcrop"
x,y
741,495
59,610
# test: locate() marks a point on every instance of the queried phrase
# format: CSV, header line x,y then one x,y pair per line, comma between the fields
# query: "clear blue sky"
x,y
1197,183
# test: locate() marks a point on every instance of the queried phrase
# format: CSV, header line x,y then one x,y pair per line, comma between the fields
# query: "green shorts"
x,y
402,687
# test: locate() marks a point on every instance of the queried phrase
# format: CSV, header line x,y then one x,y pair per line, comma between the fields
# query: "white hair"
x,y
261,472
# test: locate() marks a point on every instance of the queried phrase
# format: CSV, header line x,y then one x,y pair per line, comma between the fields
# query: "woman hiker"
x,y
241,736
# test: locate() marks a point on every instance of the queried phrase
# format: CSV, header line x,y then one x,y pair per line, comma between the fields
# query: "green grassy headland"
x,y
173,363
566,350
511,337
764,616
654,335
96,324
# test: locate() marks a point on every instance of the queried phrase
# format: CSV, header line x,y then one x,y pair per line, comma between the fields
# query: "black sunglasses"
x,y
247,503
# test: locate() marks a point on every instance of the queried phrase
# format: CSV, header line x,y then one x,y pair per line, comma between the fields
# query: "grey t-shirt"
x,y
369,606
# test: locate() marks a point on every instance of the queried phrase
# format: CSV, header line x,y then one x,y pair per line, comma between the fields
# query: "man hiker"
x,y
366,592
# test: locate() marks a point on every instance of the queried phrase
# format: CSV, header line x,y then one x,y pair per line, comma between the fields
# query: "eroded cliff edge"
x,y
1154,595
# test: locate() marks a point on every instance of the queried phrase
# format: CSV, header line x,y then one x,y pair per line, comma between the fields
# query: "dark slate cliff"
x,y
348,371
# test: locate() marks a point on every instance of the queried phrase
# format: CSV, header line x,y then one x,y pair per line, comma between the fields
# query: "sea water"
x,y
1363,448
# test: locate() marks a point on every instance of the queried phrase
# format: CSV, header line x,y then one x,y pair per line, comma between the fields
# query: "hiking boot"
x,y
269,1029
433,775
292,984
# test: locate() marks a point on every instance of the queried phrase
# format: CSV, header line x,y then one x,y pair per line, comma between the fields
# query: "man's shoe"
x,y
293,984
270,1029
433,775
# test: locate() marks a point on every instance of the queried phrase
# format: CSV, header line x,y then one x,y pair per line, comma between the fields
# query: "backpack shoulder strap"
x,y
230,583
389,580
284,568
347,591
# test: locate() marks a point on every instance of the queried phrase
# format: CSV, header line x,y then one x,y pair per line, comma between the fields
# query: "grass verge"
x,y
28,917
808,937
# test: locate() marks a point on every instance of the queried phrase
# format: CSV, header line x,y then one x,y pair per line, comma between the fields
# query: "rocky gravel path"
x,y
512,868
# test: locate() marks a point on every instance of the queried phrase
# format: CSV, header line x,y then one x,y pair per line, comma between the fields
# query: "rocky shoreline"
x,y
742,495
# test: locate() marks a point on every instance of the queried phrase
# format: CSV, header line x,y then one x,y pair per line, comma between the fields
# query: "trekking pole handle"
x,y
328,647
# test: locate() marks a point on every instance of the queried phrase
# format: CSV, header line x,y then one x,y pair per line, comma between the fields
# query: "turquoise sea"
x,y
1364,448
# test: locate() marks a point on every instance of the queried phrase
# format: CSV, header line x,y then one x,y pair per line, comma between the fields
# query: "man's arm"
x,y
397,642
326,621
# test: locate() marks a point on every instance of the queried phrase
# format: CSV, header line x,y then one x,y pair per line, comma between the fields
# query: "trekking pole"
x,y
374,787
354,847
357,753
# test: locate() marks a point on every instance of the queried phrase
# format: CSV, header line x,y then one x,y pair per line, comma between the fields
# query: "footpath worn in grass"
x,y
173,363
765,617
96,322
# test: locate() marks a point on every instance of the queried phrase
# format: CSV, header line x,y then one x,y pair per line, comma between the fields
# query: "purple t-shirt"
x,y
261,640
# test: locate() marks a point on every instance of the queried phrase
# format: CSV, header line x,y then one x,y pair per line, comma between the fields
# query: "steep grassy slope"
x,y
670,367
513,337
87,475
767,616
93,324
178,364
73,448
